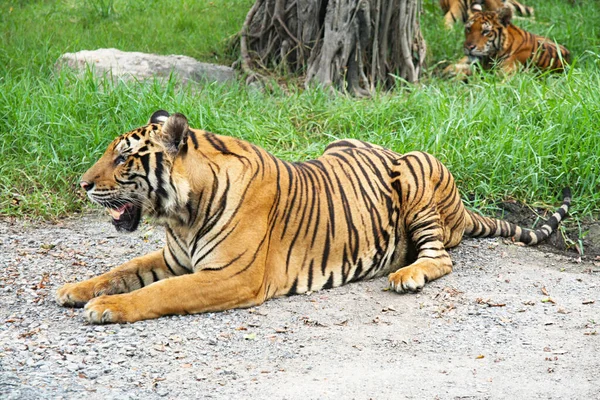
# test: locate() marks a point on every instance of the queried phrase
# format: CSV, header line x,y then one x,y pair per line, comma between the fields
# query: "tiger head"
x,y
484,32
133,176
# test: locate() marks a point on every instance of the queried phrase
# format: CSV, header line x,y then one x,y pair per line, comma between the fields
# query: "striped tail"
x,y
479,226
521,9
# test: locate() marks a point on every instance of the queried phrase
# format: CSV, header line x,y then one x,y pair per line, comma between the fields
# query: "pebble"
x,y
92,374
72,367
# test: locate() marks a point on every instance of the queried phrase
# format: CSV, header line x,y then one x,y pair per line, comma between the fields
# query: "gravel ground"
x,y
509,322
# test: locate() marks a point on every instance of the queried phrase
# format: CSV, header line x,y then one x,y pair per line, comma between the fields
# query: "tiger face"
x,y
132,178
484,33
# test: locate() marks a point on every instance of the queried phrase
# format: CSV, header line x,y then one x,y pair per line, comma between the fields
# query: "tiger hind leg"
x,y
433,261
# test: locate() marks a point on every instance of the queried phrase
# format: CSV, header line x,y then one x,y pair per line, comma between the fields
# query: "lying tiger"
x,y
462,10
243,226
492,40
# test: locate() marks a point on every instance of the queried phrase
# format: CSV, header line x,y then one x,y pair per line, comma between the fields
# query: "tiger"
x,y
243,226
455,10
491,39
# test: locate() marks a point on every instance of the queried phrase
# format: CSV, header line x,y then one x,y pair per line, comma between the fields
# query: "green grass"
x,y
35,33
523,137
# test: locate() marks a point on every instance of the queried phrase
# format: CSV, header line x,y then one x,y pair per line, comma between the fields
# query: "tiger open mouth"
x,y
126,217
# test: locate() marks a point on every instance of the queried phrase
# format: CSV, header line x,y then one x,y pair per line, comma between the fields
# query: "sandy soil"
x,y
510,322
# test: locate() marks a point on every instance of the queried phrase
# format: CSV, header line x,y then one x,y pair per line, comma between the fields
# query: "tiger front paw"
x,y
407,279
458,71
78,294
110,310
74,294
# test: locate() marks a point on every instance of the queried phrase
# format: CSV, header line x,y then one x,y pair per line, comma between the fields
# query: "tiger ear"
x,y
159,117
174,133
505,16
476,6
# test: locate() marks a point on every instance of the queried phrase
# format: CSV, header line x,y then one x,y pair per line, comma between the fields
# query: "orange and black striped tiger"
x,y
491,39
243,226
461,10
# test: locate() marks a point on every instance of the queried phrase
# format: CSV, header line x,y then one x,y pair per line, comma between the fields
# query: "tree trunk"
x,y
351,45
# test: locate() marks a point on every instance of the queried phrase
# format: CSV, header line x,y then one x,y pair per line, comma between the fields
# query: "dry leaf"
x,y
489,303
42,282
311,322
30,333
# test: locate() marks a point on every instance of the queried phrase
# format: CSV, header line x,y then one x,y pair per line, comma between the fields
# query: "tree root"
x,y
350,45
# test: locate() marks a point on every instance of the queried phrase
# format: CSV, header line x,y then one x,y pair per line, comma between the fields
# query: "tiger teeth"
x,y
116,214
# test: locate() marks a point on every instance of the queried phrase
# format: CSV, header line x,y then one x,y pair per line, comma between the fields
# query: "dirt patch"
x,y
582,239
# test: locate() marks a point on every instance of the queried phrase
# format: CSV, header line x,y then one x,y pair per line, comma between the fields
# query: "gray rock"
x,y
127,65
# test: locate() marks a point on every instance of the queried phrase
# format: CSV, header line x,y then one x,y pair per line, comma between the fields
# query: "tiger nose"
x,y
469,46
85,185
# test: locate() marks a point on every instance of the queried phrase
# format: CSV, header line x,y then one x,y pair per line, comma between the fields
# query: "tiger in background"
x,y
491,39
461,10
243,226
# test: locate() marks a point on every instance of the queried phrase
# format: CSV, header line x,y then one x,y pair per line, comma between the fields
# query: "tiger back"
x,y
243,226
462,10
